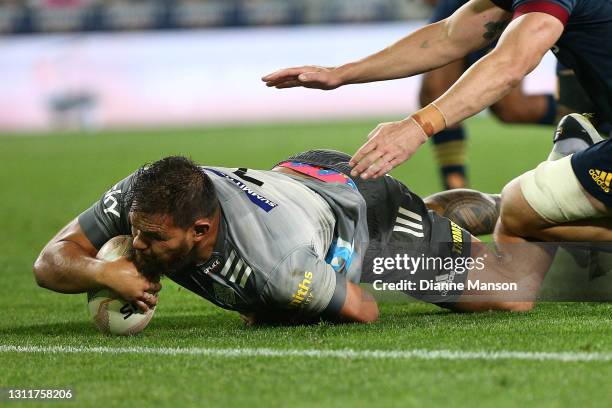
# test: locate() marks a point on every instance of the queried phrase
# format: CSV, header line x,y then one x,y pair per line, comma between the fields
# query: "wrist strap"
x,y
430,119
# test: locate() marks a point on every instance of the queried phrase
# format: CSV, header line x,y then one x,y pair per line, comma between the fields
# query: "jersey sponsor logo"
x,y
111,202
602,178
409,222
303,294
211,268
236,270
457,235
257,199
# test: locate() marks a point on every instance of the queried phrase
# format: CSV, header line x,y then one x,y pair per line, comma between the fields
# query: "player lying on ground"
x,y
287,245
565,199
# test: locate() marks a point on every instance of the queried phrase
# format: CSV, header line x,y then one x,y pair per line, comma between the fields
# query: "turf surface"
x,y
47,180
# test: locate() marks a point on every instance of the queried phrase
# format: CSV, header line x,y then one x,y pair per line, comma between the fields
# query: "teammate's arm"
x,y
67,264
473,26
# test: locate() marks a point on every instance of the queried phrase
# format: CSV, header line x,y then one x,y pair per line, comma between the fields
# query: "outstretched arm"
x,y
519,51
473,26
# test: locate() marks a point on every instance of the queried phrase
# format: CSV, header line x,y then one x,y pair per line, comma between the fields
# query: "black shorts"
x,y
593,168
401,228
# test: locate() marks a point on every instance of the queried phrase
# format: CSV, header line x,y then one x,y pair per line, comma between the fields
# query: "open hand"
x,y
389,145
309,76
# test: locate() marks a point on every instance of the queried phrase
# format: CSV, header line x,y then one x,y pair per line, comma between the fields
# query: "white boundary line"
x,y
342,353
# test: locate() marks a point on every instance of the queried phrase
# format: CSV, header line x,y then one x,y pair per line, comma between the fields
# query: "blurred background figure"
x,y
516,107
93,64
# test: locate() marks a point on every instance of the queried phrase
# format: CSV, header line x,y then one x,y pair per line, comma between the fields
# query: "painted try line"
x,y
343,353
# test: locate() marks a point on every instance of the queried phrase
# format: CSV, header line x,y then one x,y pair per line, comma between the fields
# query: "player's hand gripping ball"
x,y
110,313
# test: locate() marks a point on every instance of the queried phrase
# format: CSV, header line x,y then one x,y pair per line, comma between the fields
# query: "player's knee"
x,y
512,211
509,112
505,115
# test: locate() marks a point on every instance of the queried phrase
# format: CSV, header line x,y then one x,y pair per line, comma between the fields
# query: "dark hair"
x,y
175,186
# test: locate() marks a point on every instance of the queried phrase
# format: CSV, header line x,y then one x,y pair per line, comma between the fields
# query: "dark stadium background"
x,y
72,124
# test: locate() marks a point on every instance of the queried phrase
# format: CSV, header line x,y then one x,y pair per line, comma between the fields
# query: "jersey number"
x,y
242,174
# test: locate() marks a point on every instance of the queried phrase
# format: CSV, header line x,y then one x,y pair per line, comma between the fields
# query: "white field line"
x,y
342,353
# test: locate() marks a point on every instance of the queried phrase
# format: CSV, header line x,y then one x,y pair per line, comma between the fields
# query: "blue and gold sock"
x,y
550,116
450,151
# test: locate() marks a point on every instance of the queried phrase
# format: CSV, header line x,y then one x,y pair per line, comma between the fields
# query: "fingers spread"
x,y
366,161
384,165
360,155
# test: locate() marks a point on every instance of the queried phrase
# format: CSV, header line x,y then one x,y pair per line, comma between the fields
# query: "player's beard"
x,y
154,267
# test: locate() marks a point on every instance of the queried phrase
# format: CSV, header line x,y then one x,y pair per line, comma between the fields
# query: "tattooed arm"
x,y
473,26
475,211
519,50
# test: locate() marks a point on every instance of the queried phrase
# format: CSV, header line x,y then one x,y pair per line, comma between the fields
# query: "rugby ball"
x,y
110,313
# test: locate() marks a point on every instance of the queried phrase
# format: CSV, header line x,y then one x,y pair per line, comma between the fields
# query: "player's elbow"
x,y
359,306
369,313
41,272
45,270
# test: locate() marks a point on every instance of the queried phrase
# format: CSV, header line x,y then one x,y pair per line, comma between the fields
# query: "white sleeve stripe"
x,y
408,231
409,223
410,214
228,263
245,276
236,270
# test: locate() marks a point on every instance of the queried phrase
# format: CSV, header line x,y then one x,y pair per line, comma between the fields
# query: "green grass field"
x,y
194,354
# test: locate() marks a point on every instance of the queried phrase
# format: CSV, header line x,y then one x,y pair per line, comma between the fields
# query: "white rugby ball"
x,y
110,313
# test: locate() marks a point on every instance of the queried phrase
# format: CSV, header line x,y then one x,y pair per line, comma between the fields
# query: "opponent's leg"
x,y
550,203
519,107
449,145
520,260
